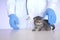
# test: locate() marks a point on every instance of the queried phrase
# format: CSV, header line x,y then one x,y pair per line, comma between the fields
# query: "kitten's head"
x,y
38,20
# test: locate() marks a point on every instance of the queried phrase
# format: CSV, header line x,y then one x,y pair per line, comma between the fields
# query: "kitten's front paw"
x,y
33,30
39,30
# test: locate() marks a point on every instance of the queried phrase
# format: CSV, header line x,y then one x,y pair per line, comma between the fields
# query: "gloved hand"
x,y
51,16
13,21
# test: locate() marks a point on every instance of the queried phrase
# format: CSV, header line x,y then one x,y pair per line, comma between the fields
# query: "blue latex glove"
x,y
51,16
13,21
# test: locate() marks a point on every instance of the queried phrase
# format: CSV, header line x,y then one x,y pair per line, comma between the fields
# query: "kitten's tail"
x,y
53,27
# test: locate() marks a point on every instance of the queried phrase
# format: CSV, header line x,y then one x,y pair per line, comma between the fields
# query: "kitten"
x,y
41,24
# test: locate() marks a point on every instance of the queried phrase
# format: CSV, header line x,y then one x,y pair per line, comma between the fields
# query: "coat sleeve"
x,y
52,4
51,11
11,7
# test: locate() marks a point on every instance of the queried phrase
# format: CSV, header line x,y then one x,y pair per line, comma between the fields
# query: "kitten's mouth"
x,y
39,24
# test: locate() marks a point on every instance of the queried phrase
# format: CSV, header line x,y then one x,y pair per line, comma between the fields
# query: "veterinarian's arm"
x,y
51,11
13,20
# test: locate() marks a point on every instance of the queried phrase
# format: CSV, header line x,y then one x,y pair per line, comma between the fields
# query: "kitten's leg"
x,y
40,29
48,29
34,28
47,26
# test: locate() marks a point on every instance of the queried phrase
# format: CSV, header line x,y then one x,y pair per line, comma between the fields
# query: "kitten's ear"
x,y
34,18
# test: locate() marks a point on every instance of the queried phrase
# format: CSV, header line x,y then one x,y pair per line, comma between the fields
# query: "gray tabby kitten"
x,y
41,24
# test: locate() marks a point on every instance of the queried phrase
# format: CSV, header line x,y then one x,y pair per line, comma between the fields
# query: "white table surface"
x,y
29,35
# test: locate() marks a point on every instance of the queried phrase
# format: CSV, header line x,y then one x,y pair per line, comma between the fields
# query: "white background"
x,y
4,19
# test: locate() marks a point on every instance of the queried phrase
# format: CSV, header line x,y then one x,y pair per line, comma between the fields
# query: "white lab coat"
x,y
35,8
